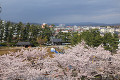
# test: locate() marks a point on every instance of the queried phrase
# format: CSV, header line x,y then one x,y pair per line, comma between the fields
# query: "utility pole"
x,y
0,11
0,24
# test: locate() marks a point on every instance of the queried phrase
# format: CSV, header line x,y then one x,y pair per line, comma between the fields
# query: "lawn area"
x,y
6,50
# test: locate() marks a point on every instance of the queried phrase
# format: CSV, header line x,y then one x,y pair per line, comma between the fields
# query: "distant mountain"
x,y
36,23
87,24
80,24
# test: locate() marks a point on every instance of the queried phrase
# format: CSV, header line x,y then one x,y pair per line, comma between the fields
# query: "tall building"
x,y
61,25
74,28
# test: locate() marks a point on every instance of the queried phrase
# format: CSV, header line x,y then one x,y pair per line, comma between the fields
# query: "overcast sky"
x,y
61,11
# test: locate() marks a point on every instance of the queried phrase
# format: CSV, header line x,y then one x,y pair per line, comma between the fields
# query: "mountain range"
x,y
82,24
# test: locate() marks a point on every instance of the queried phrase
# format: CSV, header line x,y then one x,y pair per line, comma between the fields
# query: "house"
x,y
59,42
56,41
24,44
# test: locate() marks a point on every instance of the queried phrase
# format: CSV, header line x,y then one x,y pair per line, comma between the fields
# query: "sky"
x,y
61,11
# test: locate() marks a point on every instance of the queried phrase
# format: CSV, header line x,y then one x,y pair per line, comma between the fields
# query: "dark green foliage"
x,y
26,32
110,42
17,32
3,44
46,32
83,77
92,37
66,37
6,31
75,38
53,25
1,30
98,77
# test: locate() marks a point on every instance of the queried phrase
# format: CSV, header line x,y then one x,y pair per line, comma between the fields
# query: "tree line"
x,y
93,39
17,32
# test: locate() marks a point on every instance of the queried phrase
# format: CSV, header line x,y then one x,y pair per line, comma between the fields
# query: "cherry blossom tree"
x,y
77,62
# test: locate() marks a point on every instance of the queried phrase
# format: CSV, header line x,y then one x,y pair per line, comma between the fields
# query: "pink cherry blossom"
x,y
77,61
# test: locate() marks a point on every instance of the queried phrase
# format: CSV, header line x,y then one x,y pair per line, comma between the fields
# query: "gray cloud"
x,y
60,11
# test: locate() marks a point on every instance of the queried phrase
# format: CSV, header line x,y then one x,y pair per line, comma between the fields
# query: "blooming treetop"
x,y
76,62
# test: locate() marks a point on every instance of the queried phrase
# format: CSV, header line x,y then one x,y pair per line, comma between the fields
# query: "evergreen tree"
x,y
1,31
46,32
10,35
92,37
110,42
75,38
34,33
6,29
19,29
26,32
